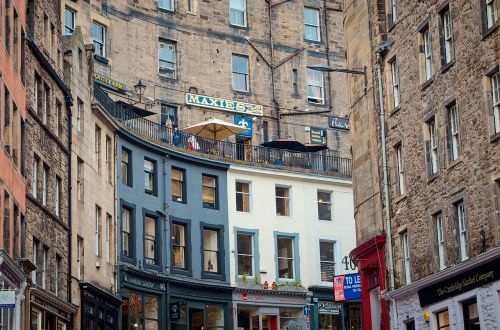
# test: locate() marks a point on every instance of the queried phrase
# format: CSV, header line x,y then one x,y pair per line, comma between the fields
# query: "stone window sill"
x,y
427,83
395,110
447,66
495,137
489,31
401,198
454,163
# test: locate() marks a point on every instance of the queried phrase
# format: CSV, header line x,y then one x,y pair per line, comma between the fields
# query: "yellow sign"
x,y
223,104
110,83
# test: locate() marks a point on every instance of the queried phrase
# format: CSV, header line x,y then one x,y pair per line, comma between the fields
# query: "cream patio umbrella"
x,y
214,129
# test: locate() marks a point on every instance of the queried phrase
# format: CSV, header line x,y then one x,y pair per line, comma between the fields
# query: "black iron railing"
x,y
224,150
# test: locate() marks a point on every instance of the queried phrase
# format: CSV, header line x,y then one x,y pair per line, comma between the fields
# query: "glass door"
x,y
195,319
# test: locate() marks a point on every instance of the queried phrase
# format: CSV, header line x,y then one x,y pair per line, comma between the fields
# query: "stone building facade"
x,y
93,176
12,184
47,157
179,47
438,97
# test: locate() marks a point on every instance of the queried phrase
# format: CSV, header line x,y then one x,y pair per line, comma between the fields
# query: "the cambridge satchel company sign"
x,y
223,104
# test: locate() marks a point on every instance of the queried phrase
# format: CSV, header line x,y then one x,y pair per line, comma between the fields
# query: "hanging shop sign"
x,y
460,283
245,123
341,123
224,105
318,135
175,313
347,287
109,83
7,299
329,307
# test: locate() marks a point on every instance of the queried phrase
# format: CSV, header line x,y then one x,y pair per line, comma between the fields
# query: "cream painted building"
x,y
292,230
93,164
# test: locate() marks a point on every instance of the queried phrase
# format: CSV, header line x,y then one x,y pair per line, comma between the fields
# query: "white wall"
x,y
303,219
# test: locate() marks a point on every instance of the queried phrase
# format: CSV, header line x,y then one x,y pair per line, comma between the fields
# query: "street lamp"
x,y
326,68
139,89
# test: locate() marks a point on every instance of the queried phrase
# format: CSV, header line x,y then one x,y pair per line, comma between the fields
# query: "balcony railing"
x,y
223,150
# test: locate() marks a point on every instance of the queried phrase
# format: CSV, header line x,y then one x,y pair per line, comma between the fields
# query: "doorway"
x,y
195,319
243,146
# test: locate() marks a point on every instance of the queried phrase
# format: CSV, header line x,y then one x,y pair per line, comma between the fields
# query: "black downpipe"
x,y
69,103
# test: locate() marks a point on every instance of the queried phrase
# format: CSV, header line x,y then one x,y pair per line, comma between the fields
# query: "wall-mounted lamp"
x,y
139,89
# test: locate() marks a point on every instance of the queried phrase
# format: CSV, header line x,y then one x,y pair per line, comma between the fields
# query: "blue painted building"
x,y
173,240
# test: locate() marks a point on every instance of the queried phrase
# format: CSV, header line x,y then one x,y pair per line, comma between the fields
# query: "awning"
x,y
286,144
138,111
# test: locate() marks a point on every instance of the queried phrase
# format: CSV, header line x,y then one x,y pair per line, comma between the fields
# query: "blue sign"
x,y
307,309
245,123
352,287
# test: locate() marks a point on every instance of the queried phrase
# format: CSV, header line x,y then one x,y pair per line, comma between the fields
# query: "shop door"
x,y
195,319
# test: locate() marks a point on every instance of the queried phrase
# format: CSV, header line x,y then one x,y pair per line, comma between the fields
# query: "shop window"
x,y
179,257
329,321
243,196
443,320
471,315
211,251
286,256
245,254
178,185
140,312
214,316
209,184
36,320
178,315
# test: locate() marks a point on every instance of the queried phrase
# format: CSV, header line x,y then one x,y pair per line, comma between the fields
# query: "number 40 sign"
x,y
349,265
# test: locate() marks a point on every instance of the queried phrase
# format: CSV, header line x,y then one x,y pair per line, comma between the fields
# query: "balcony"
x,y
223,150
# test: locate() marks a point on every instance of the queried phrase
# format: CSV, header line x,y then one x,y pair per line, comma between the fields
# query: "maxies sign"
x,y
462,282
223,104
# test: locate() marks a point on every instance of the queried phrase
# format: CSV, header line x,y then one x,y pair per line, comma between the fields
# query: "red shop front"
x,y
370,259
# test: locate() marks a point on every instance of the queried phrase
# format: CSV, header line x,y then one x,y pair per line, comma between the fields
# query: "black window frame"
x,y
465,314
221,273
130,182
153,192
131,257
184,192
157,240
187,271
216,204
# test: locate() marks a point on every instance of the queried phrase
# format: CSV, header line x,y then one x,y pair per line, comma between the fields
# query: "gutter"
x,y
69,103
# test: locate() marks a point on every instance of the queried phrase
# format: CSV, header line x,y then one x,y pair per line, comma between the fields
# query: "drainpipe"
x,y
273,88
378,65
115,222
69,103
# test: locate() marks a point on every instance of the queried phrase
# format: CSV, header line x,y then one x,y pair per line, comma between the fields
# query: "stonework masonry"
x,y
205,41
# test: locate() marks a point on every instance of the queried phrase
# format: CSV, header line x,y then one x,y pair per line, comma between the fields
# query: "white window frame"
x,y
289,199
462,228
98,148
35,247
166,5
79,108
34,190
405,249
235,10
315,83
99,41
108,228
109,167
167,68
148,238
248,194
294,268
98,231
245,74
57,196
312,25
45,256
45,105
335,247
80,179
66,26
395,83
252,255
454,121
79,247
426,41
447,36
329,192
439,223
401,173
491,13
433,145
44,185
394,11
495,93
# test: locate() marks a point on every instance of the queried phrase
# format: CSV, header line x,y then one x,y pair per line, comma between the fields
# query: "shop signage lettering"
x,y
224,105
463,282
175,311
347,287
245,123
109,83
7,299
318,135
328,307
144,283
339,123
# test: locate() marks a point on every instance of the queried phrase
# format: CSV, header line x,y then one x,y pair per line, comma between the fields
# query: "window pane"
x,y
150,308
240,64
214,315
244,244
211,254
282,192
179,243
210,241
285,247
242,187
